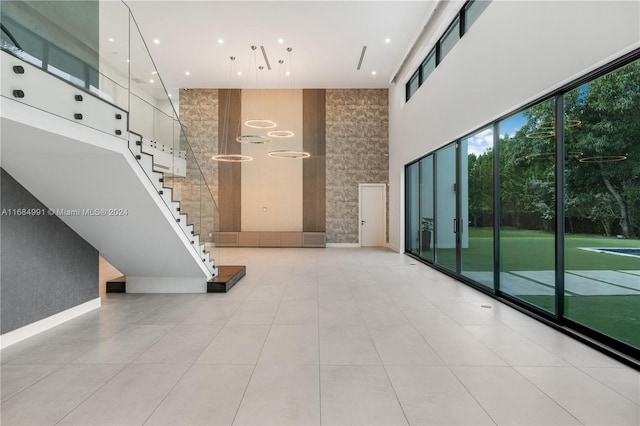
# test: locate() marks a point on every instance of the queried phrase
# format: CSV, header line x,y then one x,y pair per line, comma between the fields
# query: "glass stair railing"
x,y
116,70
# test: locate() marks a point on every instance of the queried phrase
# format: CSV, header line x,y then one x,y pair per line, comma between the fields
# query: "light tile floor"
x,y
314,336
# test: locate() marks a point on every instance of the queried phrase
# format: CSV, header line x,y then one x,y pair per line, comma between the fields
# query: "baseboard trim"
x,y
343,245
394,248
22,333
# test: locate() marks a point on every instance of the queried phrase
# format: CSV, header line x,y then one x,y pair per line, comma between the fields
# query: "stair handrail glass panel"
x,y
98,48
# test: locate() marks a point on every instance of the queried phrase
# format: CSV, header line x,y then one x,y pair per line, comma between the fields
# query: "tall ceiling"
x,y
326,37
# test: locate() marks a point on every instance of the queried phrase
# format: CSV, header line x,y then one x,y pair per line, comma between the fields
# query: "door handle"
x,y
455,226
362,222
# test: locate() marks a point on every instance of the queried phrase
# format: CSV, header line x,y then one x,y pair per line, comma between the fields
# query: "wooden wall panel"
x,y
229,174
314,168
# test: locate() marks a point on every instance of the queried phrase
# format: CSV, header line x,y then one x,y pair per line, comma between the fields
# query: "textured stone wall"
x,y
199,208
357,131
199,115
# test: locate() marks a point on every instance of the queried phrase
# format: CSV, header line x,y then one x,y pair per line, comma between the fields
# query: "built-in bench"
x,y
270,239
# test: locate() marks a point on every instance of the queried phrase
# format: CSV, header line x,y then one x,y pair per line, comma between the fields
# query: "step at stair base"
x,y
228,276
117,285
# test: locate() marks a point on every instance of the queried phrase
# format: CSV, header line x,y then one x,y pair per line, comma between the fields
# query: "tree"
x,y
598,207
480,170
602,142
543,198
527,168
602,155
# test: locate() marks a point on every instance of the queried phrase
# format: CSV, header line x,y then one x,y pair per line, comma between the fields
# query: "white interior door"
x,y
373,217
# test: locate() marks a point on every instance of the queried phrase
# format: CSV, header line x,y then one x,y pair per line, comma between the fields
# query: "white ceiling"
x,y
327,38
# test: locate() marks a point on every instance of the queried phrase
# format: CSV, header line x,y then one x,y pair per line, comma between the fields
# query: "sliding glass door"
x,y
427,236
449,210
602,205
412,209
527,206
476,207
419,212
446,220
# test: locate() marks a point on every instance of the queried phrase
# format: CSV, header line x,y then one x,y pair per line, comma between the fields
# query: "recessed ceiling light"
x,y
220,41
154,72
280,40
170,95
111,39
156,41
128,60
373,73
287,73
387,40
151,80
239,72
187,73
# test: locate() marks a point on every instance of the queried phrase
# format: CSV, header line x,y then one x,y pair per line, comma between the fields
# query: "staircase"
x,y
75,152
146,160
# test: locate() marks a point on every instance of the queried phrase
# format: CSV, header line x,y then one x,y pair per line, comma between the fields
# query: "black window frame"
x,y
450,30
461,20
432,55
414,77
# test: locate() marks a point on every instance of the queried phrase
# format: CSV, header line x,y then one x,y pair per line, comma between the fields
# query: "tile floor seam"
x,y
233,313
244,392
406,417
166,395
565,409
152,344
204,347
583,372
487,347
472,395
317,284
479,340
535,343
71,361
609,387
60,366
138,321
235,310
417,331
124,366
191,364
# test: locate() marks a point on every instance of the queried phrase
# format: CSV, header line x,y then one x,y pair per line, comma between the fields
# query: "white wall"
x,y
515,52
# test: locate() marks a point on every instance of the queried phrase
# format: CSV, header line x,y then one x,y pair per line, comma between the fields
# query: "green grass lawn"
x,y
617,316
535,251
